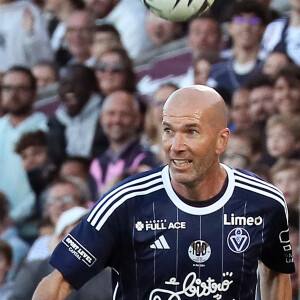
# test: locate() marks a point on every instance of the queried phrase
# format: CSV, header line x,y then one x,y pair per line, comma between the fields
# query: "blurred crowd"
x,y
83,84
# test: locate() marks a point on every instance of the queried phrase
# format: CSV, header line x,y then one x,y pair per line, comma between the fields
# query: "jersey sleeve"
x,y
277,251
85,251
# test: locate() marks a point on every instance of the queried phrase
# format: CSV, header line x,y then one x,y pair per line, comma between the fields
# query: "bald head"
x,y
121,98
199,101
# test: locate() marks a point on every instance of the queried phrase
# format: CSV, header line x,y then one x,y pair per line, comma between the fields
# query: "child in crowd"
x,y
283,136
286,176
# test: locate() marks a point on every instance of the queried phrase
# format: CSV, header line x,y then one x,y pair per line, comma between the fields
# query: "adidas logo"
x,y
160,243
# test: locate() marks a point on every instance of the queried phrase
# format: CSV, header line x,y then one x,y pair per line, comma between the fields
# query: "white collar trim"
x,y
198,210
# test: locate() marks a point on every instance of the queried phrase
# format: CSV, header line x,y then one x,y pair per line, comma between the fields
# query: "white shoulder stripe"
x,y
257,180
130,183
118,203
260,185
272,196
106,202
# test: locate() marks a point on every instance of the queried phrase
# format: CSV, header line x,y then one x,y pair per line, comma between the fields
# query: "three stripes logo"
x,y
160,244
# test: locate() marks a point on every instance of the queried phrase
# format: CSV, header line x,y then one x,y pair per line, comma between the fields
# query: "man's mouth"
x,y
178,162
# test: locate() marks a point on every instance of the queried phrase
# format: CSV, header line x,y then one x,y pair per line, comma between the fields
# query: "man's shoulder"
x,y
140,182
258,187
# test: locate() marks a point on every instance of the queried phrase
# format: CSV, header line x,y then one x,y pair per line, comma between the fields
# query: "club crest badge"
x,y
238,240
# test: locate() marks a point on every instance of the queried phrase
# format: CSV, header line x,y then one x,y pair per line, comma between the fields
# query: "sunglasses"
x,y
244,20
113,68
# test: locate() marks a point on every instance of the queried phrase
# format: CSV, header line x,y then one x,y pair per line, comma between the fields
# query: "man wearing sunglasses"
x,y
246,27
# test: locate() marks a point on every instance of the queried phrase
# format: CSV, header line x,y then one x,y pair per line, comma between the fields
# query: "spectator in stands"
x,y
79,167
161,31
60,11
283,34
79,37
46,74
274,62
154,116
23,35
62,195
33,272
100,8
261,102
74,130
247,144
6,287
106,37
199,72
287,90
204,36
248,20
114,71
32,147
128,17
8,233
283,136
285,175
120,120
18,92
239,110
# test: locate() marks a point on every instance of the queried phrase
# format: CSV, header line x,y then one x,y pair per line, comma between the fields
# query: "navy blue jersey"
x,y
164,248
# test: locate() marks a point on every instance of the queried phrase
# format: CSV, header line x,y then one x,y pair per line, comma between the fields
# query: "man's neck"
x,y
17,120
295,18
209,187
118,147
243,55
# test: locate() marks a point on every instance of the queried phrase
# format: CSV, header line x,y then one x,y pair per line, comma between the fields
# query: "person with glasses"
x,y
246,28
18,93
62,195
114,71
79,37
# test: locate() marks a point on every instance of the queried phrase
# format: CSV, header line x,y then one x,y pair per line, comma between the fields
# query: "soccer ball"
x,y
178,10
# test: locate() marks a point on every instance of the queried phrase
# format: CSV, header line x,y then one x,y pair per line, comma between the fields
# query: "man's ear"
x,y
222,140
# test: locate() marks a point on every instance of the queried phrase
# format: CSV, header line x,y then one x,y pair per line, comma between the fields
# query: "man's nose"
x,y
178,143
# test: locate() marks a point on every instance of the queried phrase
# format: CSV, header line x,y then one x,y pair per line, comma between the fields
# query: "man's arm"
x,y
52,287
274,285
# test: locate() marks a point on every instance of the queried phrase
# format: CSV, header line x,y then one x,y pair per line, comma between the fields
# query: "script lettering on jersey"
x,y
242,221
194,287
78,250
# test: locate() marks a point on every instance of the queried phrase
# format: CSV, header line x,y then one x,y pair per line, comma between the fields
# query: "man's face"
x,y
288,182
159,30
189,141
203,35
246,30
103,41
74,91
119,117
17,95
261,103
100,8
240,110
79,35
44,75
280,142
287,95
62,197
34,157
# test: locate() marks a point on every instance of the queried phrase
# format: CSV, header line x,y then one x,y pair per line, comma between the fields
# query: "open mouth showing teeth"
x,y
181,162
